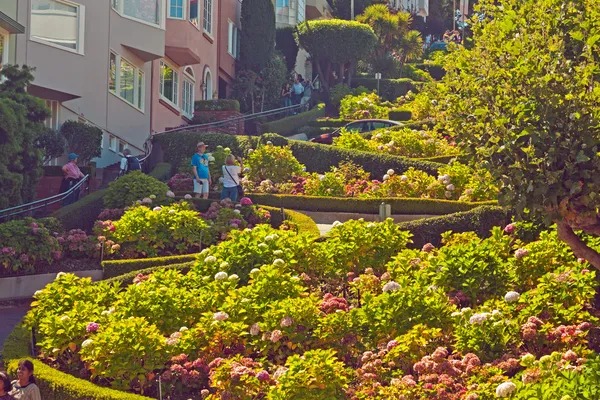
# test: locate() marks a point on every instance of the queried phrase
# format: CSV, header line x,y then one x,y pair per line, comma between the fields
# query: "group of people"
x,y
23,388
298,93
232,187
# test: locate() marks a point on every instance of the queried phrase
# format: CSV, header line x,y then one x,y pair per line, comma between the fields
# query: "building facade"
x,y
416,7
129,67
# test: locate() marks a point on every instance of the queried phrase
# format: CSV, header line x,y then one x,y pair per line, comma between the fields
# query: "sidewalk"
x,y
11,315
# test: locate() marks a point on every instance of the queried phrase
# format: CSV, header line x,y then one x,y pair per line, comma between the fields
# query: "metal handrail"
x,y
36,205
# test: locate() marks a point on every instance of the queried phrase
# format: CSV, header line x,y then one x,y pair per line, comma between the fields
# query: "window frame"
x,y
54,118
5,47
139,87
204,17
205,91
190,80
176,84
197,25
112,143
118,7
184,4
80,41
233,40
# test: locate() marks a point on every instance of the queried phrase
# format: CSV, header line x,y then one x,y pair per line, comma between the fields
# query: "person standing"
x,y
25,388
129,163
231,178
72,174
5,387
286,95
201,172
297,90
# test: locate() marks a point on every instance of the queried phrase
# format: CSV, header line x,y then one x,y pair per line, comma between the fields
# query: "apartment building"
x,y
416,7
129,67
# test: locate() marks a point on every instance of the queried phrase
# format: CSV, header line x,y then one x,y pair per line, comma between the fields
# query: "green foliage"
x,y
115,268
53,144
363,106
436,71
286,44
162,171
21,121
257,36
389,89
340,91
132,187
217,105
277,164
289,125
83,213
400,114
82,139
25,244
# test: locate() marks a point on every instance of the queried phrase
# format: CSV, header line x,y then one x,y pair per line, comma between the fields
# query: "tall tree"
x,y
286,44
257,39
524,102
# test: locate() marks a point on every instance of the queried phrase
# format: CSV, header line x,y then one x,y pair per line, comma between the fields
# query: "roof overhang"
x,y
145,56
10,25
51,94
182,55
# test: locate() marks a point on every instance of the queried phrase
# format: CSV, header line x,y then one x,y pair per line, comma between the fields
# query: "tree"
x,y
286,44
52,143
336,46
82,139
525,103
257,40
21,122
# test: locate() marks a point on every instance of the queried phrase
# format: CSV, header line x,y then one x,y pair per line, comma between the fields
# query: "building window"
x,y
301,10
58,23
208,91
195,13
142,10
176,9
234,38
4,47
122,146
283,3
128,83
112,143
187,97
208,16
52,121
169,83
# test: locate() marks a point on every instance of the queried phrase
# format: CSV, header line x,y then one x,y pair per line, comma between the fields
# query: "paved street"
x,y
10,317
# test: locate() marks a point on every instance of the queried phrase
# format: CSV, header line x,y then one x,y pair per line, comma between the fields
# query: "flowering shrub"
x,y
135,186
150,232
77,244
362,106
276,164
25,243
111,214
183,182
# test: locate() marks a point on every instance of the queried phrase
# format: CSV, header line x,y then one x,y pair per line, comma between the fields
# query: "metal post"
x,y
378,77
352,9
454,17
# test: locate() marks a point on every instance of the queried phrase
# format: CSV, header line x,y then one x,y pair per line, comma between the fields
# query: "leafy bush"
x,y
289,125
340,91
276,164
362,106
217,105
115,268
181,183
389,89
25,244
162,171
436,71
82,213
400,114
82,139
133,187
53,143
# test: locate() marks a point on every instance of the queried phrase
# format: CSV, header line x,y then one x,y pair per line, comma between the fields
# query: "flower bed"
x,y
274,314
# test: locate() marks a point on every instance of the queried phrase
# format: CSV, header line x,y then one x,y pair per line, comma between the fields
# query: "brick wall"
x,y
233,127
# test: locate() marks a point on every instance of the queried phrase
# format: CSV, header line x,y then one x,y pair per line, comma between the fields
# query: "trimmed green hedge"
x,y
436,71
127,278
83,213
304,222
389,89
400,115
479,220
162,172
364,206
329,122
290,125
114,268
53,384
418,125
217,105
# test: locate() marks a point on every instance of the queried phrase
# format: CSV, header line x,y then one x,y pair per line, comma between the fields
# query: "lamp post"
x,y
378,77
352,10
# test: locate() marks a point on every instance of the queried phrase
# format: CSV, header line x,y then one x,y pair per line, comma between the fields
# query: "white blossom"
x,y
512,296
505,389
391,286
221,276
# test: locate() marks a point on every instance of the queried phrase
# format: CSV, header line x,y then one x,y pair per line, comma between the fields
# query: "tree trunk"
x,y
341,68
578,246
324,78
350,73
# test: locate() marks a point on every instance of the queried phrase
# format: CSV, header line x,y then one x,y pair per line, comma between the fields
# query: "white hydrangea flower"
x,y
391,286
233,277
254,271
450,187
456,314
255,329
170,194
220,316
86,343
337,223
60,275
158,209
390,172
371,225
64,318
512,296
478,319
278,262
221,276
172,212
278,253
505,389
404,178
38,292
386,177
210,259
269,238
183,329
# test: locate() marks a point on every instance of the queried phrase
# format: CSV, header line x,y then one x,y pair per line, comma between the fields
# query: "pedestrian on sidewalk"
x,y
232,187
72,175
25,388
129,163
5,387
201,172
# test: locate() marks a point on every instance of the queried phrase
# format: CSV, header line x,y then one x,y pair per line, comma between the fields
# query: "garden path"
x,y
10,315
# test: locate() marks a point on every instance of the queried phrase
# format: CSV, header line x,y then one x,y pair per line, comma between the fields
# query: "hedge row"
x,y
329,122
114,268
53,384
364,206
162,172
479,220
436,71
290,125
389,89
217,105
83,213
400,115
127,278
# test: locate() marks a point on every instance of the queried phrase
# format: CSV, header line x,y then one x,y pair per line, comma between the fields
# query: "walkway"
x,y
11,315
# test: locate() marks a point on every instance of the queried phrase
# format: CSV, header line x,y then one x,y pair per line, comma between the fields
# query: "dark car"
x,y
364,125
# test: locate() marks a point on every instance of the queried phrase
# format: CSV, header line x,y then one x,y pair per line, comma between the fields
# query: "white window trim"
x,y
5,46
80,30
162,17
112,143
117,92
160,89
191,80
209,33
184,3
231,28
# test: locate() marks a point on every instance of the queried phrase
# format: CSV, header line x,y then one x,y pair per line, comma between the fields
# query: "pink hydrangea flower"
x,y
276,335
263,376
92,327
428,247
187,196
520,253
245,201
509,229
286,322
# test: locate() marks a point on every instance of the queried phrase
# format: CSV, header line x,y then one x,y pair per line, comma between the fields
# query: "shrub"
x,y
161,231
436,71
181,183
25,244
289,125
330,122
132,187
362,106
53,144
82,139
116,268
162,171
407,143
82,213
389,89
400,114
257,36
273,163
217,105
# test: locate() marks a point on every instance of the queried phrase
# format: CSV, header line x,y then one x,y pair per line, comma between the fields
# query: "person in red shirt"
x,y
72,175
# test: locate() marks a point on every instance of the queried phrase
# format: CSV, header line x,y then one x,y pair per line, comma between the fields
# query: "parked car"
x,y
364,125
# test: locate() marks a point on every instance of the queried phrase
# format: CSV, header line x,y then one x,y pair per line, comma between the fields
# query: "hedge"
x,y
418,125
329,122
400,115
217,105
436,71
127,278
290,125
389,89
162,172
54,384
364,206
479,220
114,268
315,131
83,213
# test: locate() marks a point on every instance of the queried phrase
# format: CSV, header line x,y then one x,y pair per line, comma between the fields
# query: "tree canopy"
x,y
257,38
524,102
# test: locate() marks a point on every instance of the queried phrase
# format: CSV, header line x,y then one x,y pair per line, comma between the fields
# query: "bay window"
x,y
58,23
169,83
126,81
148,11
